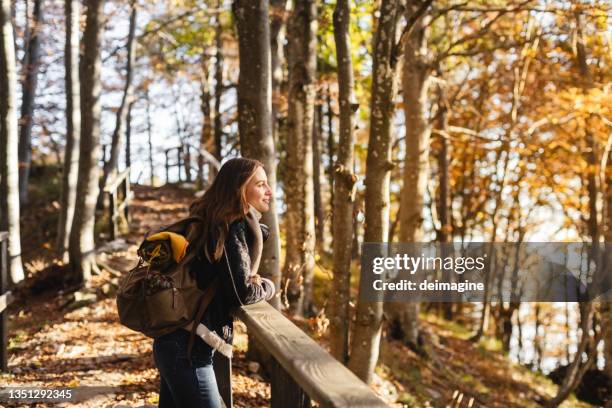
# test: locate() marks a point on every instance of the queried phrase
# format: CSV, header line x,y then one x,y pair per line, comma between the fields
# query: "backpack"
x,y
160,294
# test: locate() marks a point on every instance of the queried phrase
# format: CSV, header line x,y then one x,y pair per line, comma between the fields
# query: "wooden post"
x,y
187,161
3,313
223,374
126,210
167,166
285,391
200,179
112,222
179,163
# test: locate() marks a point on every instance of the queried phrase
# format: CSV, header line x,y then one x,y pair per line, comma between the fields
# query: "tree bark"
x,y
207,134
299,261
112,165
367,329
82,245
150,138
30,68
316,178
218,129
255,114
344,195
73,125
278,12
415,84
9,183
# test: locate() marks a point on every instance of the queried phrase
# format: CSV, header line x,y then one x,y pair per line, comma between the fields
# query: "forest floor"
x,y
61,337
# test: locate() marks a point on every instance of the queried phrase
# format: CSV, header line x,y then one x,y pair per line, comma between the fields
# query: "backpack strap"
x,y
207,297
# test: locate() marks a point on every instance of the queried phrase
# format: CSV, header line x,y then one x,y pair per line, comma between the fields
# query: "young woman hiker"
x,y
229,248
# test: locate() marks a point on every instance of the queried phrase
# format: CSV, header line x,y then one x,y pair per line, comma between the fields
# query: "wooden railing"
x,y
5,300
183,158
301,369
119,197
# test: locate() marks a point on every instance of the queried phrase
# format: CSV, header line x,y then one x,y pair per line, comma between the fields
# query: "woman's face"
x,y
258,192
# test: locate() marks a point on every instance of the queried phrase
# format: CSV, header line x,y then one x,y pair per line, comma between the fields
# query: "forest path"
x,y
55,343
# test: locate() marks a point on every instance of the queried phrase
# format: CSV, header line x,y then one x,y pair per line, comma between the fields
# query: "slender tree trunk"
x,y
415,84
331,142
606,313
30,68
316,178
278,12
9,183
82,245
299,261
445,232
368,323
218,130
577,368
112,165
73,127
150,138
207,141
255,114
342,222
128,136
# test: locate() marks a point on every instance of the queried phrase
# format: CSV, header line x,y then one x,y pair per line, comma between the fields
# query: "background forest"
x,y
377,121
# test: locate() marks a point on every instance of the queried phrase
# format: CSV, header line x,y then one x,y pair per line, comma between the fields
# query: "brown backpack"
x,y
160,295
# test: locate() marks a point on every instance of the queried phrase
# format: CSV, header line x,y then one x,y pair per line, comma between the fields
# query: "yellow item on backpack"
x,y
178,242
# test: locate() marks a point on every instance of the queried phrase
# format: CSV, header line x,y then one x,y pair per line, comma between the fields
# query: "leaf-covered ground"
x,y
56,340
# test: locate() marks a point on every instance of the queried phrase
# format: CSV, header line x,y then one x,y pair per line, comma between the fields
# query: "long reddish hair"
x,y
224,202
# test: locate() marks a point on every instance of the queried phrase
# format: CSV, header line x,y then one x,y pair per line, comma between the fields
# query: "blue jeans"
x,y
185,385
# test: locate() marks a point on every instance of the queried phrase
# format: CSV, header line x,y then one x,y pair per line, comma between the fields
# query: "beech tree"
x,y
301,59
368,321
111,166
31,62
73,125
9,183
344,194
415,86
255,113
82,244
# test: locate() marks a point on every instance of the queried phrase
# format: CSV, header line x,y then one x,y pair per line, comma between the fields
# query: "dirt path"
x,y
86,349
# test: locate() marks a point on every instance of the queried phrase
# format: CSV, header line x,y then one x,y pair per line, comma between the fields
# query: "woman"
x,y
229,248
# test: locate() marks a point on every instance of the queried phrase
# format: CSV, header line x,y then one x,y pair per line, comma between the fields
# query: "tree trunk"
x,y
278,11
9,183
218,130
445,232
299,261
207,141
368,322
73,125
30,68
342,222
415,84
255,115
82,245
112,165
316,178
128,136
150,138
331,142
577,368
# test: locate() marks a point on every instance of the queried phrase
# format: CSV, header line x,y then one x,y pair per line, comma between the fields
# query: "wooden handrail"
x,y
312,368
117,180
183,152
